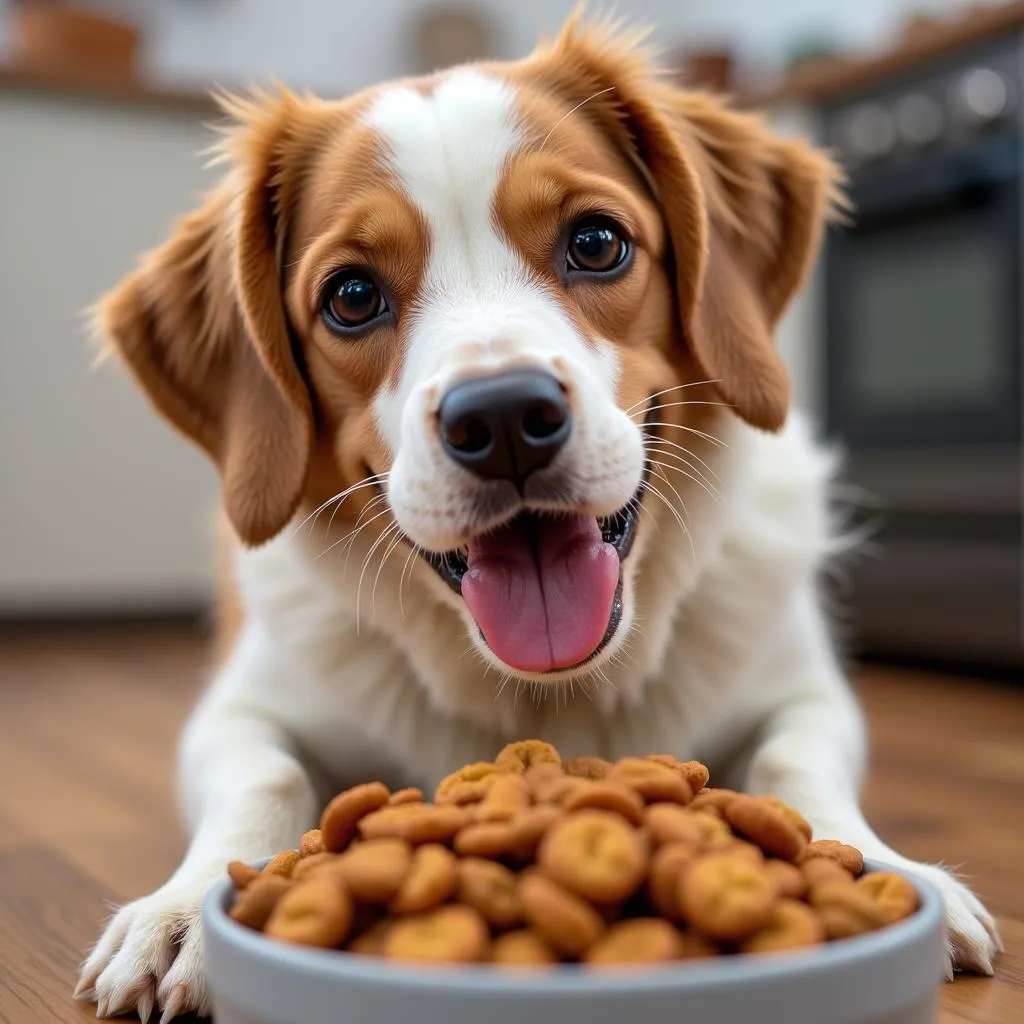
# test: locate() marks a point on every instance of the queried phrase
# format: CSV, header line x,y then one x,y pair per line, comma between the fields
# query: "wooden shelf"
x,y
819,85
76,85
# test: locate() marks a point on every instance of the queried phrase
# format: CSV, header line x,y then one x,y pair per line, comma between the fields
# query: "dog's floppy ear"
x,y
744,208
201,325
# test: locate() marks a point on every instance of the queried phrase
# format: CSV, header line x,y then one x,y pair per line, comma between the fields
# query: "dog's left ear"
x,y
744,209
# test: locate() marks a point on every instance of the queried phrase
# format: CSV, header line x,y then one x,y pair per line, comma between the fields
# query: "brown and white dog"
x,y
485,361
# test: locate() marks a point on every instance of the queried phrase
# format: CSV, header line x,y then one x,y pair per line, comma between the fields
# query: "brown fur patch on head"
x,y
744,209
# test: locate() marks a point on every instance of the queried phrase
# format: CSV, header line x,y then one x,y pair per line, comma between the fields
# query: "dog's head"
x,y
499,300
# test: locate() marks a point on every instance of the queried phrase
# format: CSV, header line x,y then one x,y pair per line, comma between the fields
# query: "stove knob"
x,y
869,133
983,96
920,119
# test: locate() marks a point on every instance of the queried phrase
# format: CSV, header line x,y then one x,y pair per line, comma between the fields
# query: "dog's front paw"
x,y
150,954
972,935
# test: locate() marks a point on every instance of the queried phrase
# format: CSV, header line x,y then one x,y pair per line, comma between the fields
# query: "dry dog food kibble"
x,y
528,861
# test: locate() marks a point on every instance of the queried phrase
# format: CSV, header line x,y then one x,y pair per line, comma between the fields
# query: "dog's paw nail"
x,y
84,991
175,1002
144,1004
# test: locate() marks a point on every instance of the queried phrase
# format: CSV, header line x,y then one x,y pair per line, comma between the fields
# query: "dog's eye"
x,y
596,246
352,300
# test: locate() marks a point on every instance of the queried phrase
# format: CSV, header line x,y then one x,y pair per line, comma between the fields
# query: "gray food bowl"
x,y
891,976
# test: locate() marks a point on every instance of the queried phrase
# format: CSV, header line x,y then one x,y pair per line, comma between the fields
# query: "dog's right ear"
x,y
201,324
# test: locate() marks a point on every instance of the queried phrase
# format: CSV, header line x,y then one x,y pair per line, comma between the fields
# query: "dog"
x,y
485,361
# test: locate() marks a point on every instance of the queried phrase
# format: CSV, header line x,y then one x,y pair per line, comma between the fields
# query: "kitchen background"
x,y
907,348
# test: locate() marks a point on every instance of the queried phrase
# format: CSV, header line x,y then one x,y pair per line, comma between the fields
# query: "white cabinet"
x,y
102,506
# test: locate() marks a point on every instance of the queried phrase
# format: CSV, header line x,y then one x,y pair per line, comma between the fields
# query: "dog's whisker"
x,y
676,405
710,438
682,504
414,550
373,501
380,568
713,494
676,387
684,458
366,561
582,103
369,481
648,486
502,683
349,538
658,439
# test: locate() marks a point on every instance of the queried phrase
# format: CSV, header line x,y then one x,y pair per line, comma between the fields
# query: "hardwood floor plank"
x,y
89,721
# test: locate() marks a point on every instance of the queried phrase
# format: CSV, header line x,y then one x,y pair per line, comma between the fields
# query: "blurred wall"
x,y
102,508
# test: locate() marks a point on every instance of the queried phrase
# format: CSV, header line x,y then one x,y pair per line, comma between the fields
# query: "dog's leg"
x,y
810,754
246,795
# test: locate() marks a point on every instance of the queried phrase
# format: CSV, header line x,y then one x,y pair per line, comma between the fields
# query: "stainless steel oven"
x,y
923,372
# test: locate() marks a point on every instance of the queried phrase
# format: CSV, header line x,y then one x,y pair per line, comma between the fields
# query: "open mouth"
x,y
545,588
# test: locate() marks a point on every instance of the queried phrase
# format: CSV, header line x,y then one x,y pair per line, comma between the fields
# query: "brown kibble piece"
x,y
670,823
530,827
894,895
639,940
342,815
308,866
665,877
726,897
792,925
411,795
788,878
255,903
522,949
695,773
507,796
594,768
450,934
519,756
493,839
823,871
653,781
715,834
792,815
415,823
319,912
242,874
282,864
694,946
607,796
748,851
374,871
594,854
766,826
372,941
311,843
468,785
556,789
430,881
570,925
713,800
848,856
491,889
845,910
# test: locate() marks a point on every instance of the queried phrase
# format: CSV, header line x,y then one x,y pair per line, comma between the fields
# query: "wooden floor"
x,y
87,727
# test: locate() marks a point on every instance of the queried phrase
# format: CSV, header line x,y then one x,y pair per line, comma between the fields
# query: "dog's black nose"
x,y
507,426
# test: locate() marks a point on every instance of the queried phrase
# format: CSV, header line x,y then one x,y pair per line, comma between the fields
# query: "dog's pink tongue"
x,y
543,604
